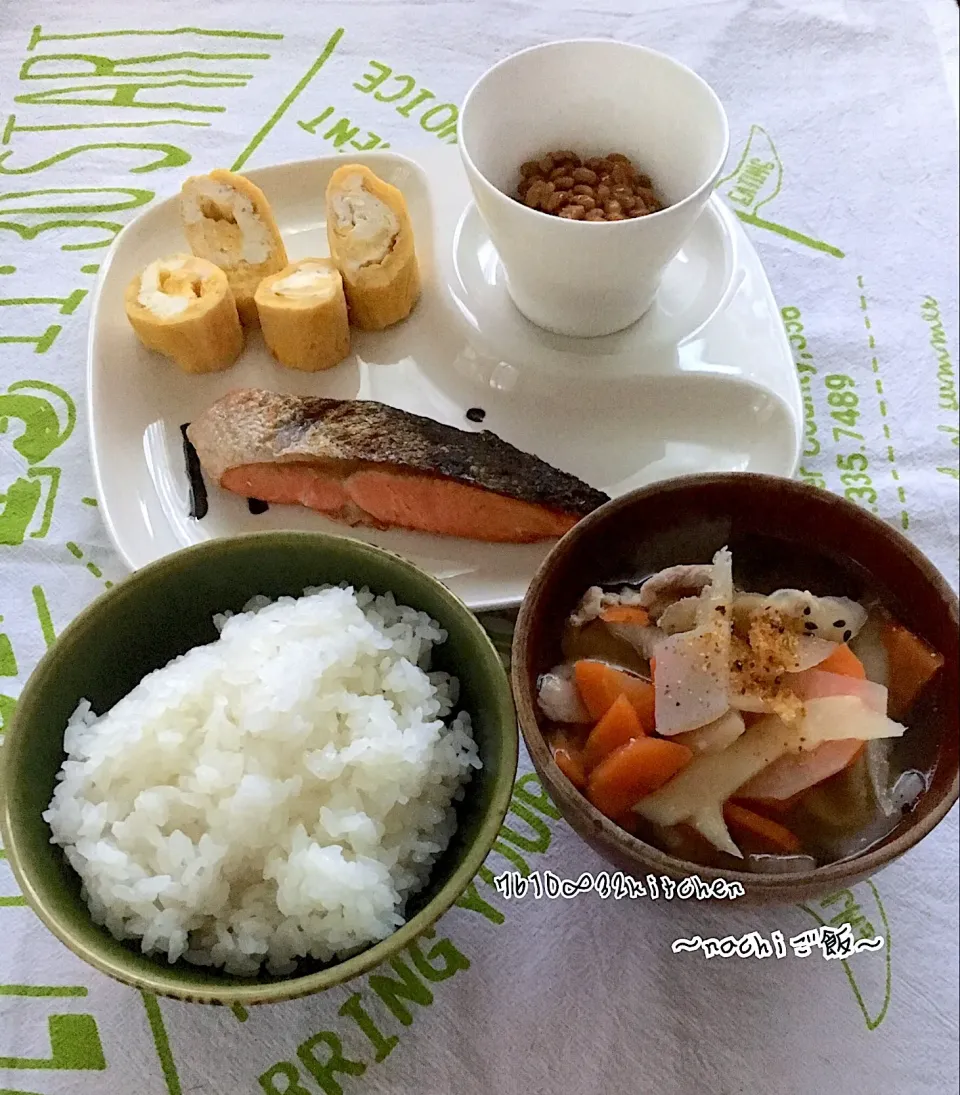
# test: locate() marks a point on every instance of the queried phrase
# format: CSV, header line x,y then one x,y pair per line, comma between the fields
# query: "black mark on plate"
x,y
255,505
476,414
198,489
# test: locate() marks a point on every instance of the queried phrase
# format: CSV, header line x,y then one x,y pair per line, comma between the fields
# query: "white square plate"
x,y
704,382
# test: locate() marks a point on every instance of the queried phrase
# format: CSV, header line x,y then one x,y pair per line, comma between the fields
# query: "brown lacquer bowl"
x,y
781,533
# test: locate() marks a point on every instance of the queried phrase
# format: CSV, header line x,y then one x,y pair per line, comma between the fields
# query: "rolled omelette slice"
x,y
183,307
371,241
303,315
228,221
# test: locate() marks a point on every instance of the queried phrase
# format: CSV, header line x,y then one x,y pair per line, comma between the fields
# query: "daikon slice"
x,y
721,588
693,668
817,684
752,703
795,772
715,735
691,681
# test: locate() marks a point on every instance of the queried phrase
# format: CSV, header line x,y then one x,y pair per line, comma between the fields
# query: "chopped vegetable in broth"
x,y
767,732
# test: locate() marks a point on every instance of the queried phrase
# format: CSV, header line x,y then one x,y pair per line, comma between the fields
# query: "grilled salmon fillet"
x,y
365,463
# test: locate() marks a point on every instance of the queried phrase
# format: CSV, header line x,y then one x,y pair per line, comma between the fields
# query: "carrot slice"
x,y
844,663
756,833
794,773
571,767
569,760
600,684
911,664
641,694
621,779
625,614
768,807
593,684
777,807
618,726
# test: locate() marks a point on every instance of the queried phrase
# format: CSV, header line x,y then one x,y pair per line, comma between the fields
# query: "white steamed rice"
x,y
275,794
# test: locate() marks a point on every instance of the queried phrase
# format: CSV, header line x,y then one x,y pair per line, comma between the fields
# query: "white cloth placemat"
x,y
843,165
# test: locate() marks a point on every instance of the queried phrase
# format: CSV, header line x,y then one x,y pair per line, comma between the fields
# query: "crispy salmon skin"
x,y
365,463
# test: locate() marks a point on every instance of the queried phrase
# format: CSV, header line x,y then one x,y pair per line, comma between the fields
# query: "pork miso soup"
x,y
739,723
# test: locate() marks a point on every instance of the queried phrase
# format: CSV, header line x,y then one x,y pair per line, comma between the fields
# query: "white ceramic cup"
x,y
587,278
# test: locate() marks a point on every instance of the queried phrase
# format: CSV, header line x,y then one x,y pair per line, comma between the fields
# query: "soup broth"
x,y
672,684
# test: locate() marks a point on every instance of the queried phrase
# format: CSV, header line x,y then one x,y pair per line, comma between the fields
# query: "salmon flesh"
x,y
364,463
